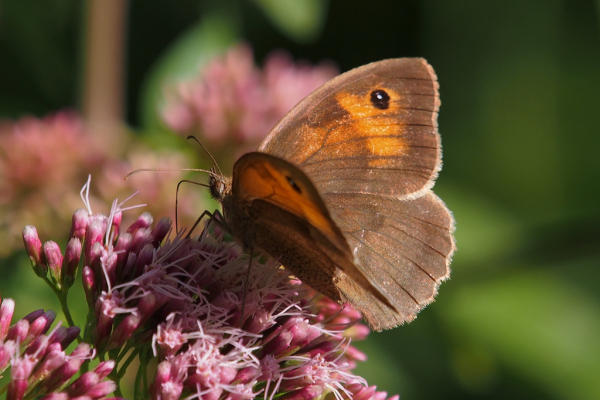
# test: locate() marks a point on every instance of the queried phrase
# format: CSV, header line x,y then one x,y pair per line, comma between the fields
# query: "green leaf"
x,y
301,20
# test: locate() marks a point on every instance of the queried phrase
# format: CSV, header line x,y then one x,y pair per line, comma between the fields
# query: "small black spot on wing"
x,y
380,99
293,184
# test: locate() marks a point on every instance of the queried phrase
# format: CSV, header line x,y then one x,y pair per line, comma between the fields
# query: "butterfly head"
x,y
219,185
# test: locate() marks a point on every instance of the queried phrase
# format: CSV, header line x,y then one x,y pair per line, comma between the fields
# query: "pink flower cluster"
x,y
232,101
217,329
43,162
38,361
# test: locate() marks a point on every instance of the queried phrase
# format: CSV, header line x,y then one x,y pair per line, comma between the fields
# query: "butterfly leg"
x,y
215,217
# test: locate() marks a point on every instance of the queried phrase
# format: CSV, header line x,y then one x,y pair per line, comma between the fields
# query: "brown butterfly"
x,y
340,190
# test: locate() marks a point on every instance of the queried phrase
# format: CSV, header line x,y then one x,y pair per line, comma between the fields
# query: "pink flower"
x,y
217,330
43,163
233,103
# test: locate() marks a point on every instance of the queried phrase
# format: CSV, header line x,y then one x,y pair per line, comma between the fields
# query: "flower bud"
x,y
33,245
65,372
32,316
54,259
123,332
144,258
8,349
55,357
104,368
116,223
141,237
7,308
70,336
144,221
82,384
56,396
71,262
161,230
18,332
93,235
122,250
40,325
101,389
306,393
79,224
89,286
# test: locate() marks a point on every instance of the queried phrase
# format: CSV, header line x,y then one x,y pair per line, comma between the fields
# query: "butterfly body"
x,y
340,191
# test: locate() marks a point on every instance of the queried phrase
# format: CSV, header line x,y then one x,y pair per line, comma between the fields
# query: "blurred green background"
x,y
520,124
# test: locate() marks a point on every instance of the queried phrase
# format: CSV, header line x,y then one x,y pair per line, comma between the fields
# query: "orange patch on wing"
x,y
385,146
369,131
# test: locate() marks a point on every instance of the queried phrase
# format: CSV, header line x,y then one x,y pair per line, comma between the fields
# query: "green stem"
x,y
128,361
66,312
54,289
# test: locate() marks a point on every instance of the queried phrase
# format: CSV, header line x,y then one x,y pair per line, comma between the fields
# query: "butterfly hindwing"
x,y
404,246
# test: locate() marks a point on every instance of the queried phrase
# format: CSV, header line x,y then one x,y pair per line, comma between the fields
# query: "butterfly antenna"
x,y
167,169
207,152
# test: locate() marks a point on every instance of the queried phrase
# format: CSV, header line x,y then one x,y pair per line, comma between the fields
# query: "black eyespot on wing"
x,y
380,99
293,184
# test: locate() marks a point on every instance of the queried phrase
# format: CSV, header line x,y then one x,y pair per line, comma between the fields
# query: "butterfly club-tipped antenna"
x,y
191,137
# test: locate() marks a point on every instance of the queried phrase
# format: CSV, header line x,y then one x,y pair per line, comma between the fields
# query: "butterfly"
x,y
340,191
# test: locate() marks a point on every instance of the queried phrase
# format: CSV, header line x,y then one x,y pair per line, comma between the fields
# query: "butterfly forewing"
x,y
371,130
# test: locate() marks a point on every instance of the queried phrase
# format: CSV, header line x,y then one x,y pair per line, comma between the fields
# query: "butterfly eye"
x,y
380,99
293,184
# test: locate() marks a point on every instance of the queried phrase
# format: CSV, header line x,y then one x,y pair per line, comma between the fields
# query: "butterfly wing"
x,y
370,130
403,246
278,206
368,140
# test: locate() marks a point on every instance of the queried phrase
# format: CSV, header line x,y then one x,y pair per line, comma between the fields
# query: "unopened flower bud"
x,y
70,335
55,357
104,368
141,238
33,245
65,372
122,250
56,396
7,308
116,223
160,230
79,224
71,262
7,349
82,384
32,316
40,325
101,389
144,221
54,259
18,332
89,286
124,331
93,235
306,393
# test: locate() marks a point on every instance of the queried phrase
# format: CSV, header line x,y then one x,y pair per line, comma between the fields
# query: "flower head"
x,y
217,329
232,101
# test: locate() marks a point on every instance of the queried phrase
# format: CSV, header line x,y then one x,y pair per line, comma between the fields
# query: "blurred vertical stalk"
x,y
103,89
